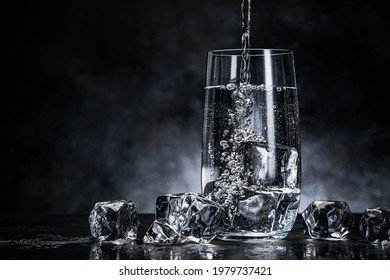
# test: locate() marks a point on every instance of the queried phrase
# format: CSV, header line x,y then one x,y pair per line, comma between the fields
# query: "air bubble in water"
x,y
238,173
224,144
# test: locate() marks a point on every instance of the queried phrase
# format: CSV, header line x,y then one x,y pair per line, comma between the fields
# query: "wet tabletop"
x,y
68,238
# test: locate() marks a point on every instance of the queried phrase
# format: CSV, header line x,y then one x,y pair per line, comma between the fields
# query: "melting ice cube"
x,y
112,220
183,218
375,224
327,219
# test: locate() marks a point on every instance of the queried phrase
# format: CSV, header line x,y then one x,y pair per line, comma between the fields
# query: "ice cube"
x,y
255,211
161,232
265,212
289,167
272,165
327,219
113,220
375,224
184,217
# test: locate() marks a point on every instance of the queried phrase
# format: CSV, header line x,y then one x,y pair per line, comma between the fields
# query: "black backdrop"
x,y
103,99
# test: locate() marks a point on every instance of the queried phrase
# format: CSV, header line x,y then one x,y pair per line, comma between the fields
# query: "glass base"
x,y
251,236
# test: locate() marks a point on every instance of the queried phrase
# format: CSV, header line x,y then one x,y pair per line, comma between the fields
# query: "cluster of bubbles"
x,y
235,177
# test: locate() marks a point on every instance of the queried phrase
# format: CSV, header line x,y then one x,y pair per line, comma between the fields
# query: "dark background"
x,y
103,99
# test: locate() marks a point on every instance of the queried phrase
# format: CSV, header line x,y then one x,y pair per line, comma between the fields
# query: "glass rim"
x,y
252,51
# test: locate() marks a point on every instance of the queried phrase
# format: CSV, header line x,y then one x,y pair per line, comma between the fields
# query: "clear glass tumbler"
x,y
251,159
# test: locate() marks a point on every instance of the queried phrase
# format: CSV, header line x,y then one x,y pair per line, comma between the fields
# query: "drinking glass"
x,y
251,159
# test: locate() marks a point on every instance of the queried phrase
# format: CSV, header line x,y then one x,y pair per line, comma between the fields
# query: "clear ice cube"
x,y
113,220
375,224
161,232
264,212
184,217
272,166
327,219
254,210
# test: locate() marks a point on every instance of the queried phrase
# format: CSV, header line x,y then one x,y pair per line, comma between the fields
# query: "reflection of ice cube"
x,y
184,217
273,166
375,224
112,220
327,219
114,251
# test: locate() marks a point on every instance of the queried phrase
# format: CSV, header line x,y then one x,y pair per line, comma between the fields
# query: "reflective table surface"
x,y
69,238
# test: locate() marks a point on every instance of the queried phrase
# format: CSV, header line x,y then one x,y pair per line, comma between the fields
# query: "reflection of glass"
x,y
251,142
